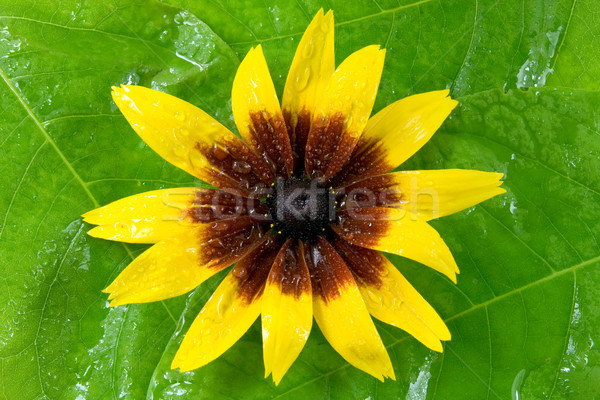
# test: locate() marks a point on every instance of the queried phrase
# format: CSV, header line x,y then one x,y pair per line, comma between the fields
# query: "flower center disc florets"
x,y
300,208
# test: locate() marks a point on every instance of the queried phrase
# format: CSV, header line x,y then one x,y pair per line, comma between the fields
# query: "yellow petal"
x,y
313,64
348,327
406,125
408,237
165,270
389,297
286,310
395,133
342,111
257,113
190,139
436,193
397,303
426,194
143,218
342,315
231,310
221,323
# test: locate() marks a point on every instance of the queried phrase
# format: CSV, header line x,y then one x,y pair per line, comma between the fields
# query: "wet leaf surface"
x,y
524,316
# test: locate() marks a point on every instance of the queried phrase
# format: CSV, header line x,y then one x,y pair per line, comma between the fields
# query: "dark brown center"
x,y
301,208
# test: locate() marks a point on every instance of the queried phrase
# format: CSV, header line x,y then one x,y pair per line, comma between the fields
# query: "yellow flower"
x,y
303,203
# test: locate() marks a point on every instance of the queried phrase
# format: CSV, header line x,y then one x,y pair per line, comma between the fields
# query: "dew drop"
x,y
219,153
303,79
307,51
239,271
375,298
241,167
180,152
297,279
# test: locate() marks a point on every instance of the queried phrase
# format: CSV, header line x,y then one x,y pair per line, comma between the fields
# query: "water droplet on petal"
x,y
307,51
302,79
241,167
239,271
376,299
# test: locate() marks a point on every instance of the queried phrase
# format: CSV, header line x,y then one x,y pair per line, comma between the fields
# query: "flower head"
x,y
303,202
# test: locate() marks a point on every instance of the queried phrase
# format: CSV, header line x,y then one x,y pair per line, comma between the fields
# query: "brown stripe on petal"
x,y
253,270
328,271
323,143
368,158
289,270
372,213
224,242
235,166
270,138
298,130
213,205
367,266
362,232
377,191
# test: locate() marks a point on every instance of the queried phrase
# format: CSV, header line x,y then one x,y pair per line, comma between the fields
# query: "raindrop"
x,y
239,271
303,79
307,51
180,152
241,167
219,153
375,298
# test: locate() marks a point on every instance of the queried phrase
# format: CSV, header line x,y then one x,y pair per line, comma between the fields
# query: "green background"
x,y
525,314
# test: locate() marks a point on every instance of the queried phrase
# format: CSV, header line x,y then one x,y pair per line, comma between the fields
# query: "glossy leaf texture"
x,y
524,316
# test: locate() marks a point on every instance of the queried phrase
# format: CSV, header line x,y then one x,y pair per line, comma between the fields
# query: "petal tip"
x,y
445,335
88,216
437,346
181,364
277,380
452,277
116,302
392,375
176,363
95,232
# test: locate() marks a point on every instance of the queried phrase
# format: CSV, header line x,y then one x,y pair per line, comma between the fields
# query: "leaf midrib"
x,y
47,136
347,22
85,188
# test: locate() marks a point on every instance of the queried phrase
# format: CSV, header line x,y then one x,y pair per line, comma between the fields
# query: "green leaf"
x,y
524,316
